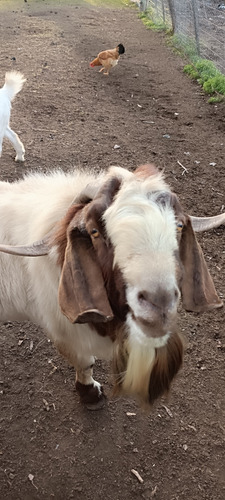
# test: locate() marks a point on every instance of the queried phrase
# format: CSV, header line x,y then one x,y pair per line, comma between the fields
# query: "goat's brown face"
x,y
132,253
143,231
137,244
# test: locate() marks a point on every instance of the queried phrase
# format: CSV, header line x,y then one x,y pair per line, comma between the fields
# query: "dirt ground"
x,y
67,115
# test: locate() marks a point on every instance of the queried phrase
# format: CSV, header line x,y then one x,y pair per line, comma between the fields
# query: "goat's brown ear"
x,y
197,288
145,171
82,294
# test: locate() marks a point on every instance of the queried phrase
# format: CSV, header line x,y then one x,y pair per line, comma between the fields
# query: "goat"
x,y
13,84
114,253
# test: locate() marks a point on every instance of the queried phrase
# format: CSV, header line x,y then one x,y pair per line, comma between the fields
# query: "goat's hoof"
x,y
19,158
97,406
91,395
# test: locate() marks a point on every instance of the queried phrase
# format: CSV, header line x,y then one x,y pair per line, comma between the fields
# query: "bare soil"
x,y
67,115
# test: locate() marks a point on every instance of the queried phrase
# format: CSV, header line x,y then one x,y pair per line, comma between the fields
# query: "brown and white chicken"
x,y
108,59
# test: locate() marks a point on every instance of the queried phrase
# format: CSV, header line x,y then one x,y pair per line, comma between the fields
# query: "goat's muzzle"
x,y
155,314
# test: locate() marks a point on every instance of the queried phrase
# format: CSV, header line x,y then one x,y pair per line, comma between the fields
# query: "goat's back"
x,y
29,209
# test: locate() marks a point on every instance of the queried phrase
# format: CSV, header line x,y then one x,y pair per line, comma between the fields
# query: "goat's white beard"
x,y
141,351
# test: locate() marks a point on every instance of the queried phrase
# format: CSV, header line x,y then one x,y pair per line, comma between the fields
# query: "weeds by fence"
x,y
198,25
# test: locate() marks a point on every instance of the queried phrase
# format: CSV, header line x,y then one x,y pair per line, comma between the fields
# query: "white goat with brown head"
x,y
114,253
13,84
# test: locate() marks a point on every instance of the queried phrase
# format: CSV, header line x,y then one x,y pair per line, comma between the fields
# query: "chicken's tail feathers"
x,y
121,48
14,81
95,62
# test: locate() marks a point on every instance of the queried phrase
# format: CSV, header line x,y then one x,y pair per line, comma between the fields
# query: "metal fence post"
x,y
172,15
163,12
143,5
196,26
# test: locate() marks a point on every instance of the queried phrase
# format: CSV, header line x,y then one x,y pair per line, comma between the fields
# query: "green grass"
x,y
201,70
184,46
156,25
209,77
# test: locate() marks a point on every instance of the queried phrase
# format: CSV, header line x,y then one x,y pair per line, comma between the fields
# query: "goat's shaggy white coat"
x,y
143,235
13,84
29,209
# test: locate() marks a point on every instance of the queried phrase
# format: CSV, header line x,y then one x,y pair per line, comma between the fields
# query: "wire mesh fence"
x,y
200,23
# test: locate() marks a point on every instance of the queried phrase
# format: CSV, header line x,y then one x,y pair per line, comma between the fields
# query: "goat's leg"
x,y
16,142
90,391
77,345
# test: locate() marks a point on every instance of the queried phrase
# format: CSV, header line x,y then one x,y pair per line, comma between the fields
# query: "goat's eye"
x,y
179,226
95,233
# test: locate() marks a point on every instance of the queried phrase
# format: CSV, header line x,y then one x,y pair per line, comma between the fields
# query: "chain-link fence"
x,y
200,23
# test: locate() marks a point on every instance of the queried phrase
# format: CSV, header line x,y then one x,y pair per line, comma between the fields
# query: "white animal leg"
x,y
17,144
90,391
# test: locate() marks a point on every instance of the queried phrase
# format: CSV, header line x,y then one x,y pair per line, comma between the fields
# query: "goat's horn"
x,y
88,193
36,249
205,223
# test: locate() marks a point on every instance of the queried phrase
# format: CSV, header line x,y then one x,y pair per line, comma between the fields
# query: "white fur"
x,y
13,84
137,225
29,209
144,237
141,358
84,376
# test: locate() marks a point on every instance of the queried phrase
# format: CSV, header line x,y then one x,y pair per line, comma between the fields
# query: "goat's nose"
x,y
165,300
